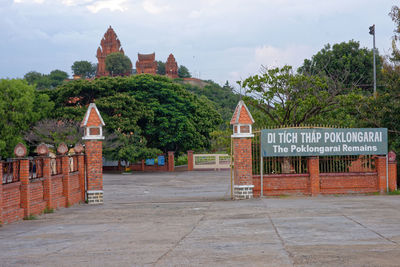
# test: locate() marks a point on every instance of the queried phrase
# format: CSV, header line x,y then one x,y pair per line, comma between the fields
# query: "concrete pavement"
x,y
187,219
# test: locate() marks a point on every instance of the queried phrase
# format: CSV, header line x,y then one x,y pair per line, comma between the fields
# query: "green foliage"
x,y
30,217
181,160
43,81
285,98
160,68
183,72
144,111
221,140
84,68
118,64
394,192
223,98
395,15
54,132
48,210
346,64
57,77
20,107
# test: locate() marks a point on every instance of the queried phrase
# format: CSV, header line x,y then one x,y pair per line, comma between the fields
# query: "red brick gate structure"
x,y
308,177
32,186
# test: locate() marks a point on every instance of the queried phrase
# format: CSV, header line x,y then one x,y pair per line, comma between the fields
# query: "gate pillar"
x,y
93,137
242,135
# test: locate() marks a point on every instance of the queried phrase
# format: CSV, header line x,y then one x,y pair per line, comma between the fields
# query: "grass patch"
x,y
395,192
30,217
48,210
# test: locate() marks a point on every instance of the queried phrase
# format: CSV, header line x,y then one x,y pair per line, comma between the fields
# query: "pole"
x,y
261,170
374,65
387,173
231,169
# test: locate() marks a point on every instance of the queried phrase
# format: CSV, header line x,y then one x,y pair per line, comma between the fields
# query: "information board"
x,y
323,142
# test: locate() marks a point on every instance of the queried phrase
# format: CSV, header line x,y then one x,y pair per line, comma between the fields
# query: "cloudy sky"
x,y
216,39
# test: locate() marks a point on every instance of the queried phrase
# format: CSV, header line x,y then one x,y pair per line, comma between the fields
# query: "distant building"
x,y
146,63
109,44
171,67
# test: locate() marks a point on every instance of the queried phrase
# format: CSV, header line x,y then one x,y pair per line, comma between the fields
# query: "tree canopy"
x,y
46,81
160,68
118,64
168,117
282,97
183,72
346,64
20,107
84,68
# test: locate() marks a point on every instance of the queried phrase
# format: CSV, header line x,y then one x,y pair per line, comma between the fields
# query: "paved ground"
x,y
186,219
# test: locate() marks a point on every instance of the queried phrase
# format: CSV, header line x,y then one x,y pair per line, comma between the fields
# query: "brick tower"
x,y
93,125
171,67
146,63
109,44
242,134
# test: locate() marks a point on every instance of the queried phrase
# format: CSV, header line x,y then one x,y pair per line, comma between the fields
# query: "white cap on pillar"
x,y
93,124
242,121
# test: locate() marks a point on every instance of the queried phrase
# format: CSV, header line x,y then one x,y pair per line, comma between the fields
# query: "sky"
x,y
221,40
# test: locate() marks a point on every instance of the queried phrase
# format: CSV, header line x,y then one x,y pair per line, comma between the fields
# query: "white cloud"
x,y
154,7
270,56
112,5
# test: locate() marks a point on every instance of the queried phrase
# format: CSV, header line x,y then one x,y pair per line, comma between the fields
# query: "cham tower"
x,y
171,67
146,63
109,44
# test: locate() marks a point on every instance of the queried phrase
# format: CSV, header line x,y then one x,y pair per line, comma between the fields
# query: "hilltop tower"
x,y
109,44
146,63
171,67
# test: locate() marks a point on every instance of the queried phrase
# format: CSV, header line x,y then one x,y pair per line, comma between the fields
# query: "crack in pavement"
x,y
182,238
365,227
288,253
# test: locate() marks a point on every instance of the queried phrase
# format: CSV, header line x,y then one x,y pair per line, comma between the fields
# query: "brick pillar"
x,y
25,189
392,176
190,160
171,161
81,173
1,192
142,165
66,180
380,163
47,183
313,169
243,173
93,149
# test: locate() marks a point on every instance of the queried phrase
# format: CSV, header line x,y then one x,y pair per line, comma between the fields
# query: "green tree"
x,y
84,68
57,77
224,98
20,107
33,77
160,68
284,98
395,15
43,81
150,106
183,72
346,64
118,64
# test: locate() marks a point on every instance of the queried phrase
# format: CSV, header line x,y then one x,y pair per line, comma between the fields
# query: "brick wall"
x,y
11,210
33,196
243,163
282,184
314,182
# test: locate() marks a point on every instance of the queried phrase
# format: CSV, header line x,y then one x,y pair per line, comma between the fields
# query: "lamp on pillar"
x,y
93,125
242,122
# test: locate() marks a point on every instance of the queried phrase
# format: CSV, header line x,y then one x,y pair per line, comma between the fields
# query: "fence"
x,y
211,161
10,172
29,186
323,174
35,168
